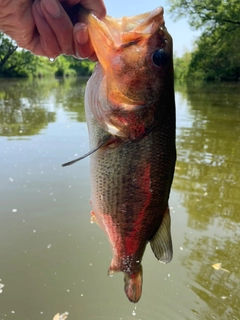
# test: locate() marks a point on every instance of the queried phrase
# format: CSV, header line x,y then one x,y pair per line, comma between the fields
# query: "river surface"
x,y
53,260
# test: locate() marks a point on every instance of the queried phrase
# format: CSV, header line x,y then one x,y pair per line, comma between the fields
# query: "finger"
x,y
96,7
46,42
83,46
60,24
93,57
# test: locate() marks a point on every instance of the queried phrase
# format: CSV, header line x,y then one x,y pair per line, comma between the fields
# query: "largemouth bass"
x,y
130,112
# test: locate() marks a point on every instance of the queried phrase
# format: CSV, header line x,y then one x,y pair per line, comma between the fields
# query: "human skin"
x,y
45,28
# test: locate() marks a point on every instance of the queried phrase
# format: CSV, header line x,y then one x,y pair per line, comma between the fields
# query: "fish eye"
x,y
160,57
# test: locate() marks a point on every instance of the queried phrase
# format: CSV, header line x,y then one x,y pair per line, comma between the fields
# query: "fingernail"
x,y
52,7
81,33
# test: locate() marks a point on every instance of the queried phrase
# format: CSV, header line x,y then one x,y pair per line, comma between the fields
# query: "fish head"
x,y
135,62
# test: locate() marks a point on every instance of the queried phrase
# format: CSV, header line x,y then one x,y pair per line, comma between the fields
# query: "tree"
x,y
7,48
13,62
218,48
208,13
217,56
16,62
181,65
81,67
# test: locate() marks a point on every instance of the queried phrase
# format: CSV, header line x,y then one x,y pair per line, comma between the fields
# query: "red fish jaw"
x,y
109,34
131,125
132,120
127,119
130,88
125,47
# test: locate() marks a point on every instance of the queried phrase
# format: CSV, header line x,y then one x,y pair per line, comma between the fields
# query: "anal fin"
x,y
161,242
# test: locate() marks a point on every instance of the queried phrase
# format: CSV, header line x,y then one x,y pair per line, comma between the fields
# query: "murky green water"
x,y
53,260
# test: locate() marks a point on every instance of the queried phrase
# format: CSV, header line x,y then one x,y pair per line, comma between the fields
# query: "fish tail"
x,y
132,281
133,285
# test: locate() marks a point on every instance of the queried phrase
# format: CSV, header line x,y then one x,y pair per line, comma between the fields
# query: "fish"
x,y
130,114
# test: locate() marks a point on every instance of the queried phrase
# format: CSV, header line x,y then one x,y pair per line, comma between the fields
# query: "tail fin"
x,y
132,280
133,285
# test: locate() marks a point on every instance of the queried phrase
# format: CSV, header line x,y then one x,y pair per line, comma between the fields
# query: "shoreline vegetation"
x,y
215,57
20,63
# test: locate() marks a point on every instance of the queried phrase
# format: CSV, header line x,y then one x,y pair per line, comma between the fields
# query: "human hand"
x,y
44,27
56,32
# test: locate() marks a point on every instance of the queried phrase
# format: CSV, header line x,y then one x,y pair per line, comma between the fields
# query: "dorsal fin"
x,y
161,242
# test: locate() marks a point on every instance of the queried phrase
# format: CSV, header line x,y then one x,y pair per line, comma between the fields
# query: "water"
x,y
53,260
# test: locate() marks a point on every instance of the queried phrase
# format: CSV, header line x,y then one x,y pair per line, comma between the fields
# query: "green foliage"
x,y
218,49
217,56
81,67
16,62
181,65
61,65
208,13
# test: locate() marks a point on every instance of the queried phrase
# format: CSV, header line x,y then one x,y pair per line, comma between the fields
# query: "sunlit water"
x,y
52,259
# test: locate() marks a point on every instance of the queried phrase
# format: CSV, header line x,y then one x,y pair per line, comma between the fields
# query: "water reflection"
x,y
70,95
219,289
53,260
207,175
24,104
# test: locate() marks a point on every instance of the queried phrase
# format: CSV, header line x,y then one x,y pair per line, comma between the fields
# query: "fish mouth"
x,y
111,34
118,29
129,90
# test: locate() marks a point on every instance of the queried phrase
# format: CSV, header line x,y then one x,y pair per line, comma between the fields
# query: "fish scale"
x,y
130,112
116,193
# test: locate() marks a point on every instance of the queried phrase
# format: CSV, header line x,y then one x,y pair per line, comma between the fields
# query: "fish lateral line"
x,y
103,143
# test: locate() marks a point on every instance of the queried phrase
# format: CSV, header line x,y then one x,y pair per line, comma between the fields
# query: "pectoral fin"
x,y
106,142
161,242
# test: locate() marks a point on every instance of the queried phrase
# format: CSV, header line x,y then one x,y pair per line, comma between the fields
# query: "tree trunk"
x,y
7,56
